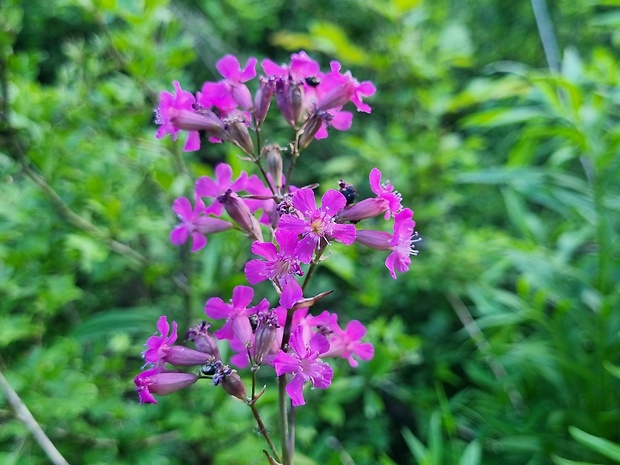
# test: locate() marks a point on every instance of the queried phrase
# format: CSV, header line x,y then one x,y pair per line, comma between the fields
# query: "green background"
x,y
500,346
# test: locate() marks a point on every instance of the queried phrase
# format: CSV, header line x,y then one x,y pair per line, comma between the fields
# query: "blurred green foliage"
x,y
500,346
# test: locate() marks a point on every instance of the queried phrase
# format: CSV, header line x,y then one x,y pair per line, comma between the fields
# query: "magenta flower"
x,y
316,225
194,224
279,266
230,68
263,198
305,363
294,95
340,120
300,68
337,89
385,192
236,313
171,107
207,187
217,95
401,243
157,346
153,381
347,343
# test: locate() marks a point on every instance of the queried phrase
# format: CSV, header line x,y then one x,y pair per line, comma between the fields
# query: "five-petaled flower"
x,y
279,265
316,225
304,362
401,243
236,313
158,345
195,224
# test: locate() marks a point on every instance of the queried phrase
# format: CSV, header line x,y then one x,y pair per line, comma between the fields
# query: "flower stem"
x,y
284,431
263,430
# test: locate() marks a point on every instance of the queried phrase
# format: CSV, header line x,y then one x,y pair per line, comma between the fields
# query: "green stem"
x,y
263,430
313,266
284,431
294,156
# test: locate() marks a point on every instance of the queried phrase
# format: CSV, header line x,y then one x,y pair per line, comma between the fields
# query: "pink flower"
x,y
347,343
160,349
217,95
230,68
316,225
157,346
385,192
401,243
194,224
236,313
300,68
207,187
294,95
340,120
279,266
171,107
337,89
153,381
257,188
305,363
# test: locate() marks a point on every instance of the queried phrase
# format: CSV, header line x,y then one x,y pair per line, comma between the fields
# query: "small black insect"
x,y
348,190
208,369
312,81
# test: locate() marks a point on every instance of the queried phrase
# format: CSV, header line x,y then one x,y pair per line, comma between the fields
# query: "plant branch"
x,y
24,415
283,409
263,430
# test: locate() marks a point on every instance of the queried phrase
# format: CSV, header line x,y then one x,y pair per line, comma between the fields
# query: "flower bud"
x,y
290,97
239,135
265,335
240,212
311,127
204,342
262,101
230,381
273,160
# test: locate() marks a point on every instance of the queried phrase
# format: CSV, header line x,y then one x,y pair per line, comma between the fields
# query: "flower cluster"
x,y
289,231
310,101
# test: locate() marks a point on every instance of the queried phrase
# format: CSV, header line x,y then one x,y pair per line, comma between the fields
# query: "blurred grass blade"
x,y
600,445
415,446
471,454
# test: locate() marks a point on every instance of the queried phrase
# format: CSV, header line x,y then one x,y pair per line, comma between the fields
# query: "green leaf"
x,y
471,454
502,116
415,446
597,444
132,320
560,461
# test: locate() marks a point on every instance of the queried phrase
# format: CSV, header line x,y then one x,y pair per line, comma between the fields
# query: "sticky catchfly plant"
x,y
271,324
